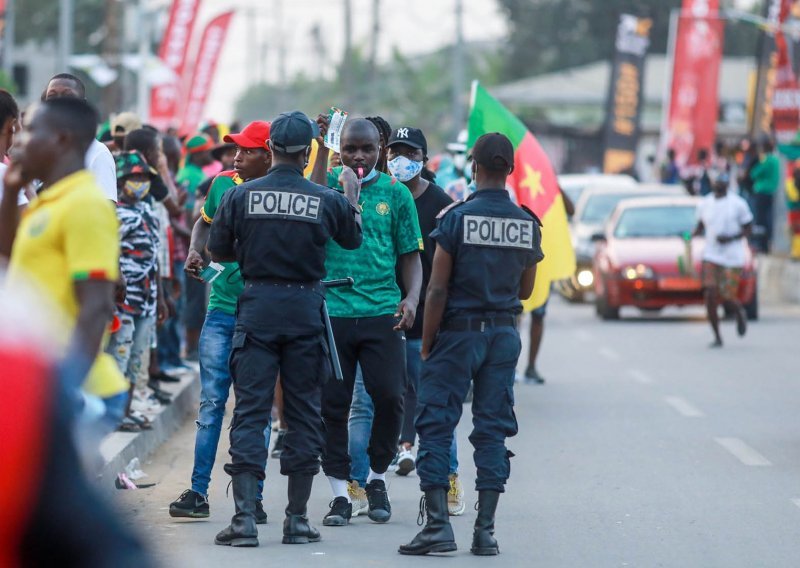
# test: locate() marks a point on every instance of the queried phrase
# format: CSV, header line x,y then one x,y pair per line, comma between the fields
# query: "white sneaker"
x,y
393,465
358,498
455,497
145,403
405,462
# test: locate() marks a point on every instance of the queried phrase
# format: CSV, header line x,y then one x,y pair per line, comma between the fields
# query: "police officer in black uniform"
x,y
485,263
276,227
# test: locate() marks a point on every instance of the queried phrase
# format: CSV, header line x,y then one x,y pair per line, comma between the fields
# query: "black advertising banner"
x,y
624,105
764,89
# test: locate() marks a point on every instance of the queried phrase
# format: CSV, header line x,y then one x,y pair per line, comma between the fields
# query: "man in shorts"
x,y
726,221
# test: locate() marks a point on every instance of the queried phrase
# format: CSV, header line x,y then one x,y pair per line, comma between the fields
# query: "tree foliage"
x,y
405,91
546,35
38,20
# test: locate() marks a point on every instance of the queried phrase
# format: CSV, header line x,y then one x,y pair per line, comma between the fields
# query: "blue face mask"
x,y
404,169
370,176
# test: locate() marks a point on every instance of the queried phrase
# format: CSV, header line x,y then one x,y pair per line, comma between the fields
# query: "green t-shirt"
x,y
190,176
227,287
390,229
766,175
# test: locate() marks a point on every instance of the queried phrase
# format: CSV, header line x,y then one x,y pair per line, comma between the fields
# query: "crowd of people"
x,y
754,170
156,251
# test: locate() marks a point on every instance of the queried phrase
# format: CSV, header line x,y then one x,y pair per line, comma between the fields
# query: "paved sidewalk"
x,y
119,448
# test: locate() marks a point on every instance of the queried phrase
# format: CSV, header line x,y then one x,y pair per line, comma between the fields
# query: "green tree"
x,y
546,35
38,19
405,91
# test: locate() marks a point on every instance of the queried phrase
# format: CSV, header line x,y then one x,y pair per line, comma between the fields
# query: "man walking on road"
x,y
726,221
253,160
277,228
485,263
369,320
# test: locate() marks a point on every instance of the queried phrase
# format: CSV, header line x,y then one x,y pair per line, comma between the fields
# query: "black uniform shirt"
x,y
492,241
277,226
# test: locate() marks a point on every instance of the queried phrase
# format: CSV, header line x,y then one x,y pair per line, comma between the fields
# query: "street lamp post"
x,y
65,26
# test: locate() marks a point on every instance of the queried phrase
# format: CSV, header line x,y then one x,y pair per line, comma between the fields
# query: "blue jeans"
x,y
215,385
169,335
115,412
131,344
362,411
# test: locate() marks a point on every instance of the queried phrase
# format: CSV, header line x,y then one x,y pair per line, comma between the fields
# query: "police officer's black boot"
x,y
296,528
437,536
242,530
483,541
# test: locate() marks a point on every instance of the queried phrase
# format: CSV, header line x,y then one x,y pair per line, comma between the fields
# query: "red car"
x,y
646,259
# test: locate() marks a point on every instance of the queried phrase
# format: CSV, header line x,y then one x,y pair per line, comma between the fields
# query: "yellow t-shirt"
x,y
68,234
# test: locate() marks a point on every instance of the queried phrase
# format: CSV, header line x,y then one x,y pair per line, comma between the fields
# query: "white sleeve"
x,y
101,164
21,198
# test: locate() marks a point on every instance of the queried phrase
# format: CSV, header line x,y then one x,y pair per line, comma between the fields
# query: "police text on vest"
x,y
498,232
284,205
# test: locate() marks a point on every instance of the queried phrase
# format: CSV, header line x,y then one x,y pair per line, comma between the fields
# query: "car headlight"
x,y
585,278
637,272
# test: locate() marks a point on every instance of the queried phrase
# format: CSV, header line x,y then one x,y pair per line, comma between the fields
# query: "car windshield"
x,y
599,207
661,221
573,191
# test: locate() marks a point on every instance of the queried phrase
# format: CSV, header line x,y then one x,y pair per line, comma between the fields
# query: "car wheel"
x,y
604,310
751,308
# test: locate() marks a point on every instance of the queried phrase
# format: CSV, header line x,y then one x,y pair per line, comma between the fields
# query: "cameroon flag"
x,y
535,185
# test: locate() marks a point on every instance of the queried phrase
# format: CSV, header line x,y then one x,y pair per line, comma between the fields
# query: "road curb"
x,y
119,448
778,280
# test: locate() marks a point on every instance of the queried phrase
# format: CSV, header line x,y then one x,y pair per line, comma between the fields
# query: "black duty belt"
x,y
478,323
313,284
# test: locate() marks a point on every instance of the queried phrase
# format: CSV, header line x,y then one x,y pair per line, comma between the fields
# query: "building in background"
x,y
566,109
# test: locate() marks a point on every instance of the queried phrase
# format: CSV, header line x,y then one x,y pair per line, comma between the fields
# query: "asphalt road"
x,y
645,448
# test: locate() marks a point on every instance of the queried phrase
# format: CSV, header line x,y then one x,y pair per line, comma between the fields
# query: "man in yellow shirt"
x,y
66,243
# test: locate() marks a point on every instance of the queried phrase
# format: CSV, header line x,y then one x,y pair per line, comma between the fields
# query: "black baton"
x,y
334,354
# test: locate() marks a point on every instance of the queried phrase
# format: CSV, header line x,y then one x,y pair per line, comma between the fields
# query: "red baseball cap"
x,y
254,135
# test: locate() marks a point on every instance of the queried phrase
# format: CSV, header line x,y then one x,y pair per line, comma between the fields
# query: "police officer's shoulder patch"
x,y
532,214
453,205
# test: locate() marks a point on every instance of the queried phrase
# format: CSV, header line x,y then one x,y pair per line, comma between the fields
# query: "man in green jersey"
x,y
369,319
253,160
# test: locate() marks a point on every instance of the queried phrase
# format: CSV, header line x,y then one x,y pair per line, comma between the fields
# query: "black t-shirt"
x,y
429,204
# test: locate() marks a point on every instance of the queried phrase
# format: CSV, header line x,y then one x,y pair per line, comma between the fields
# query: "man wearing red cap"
x,y
253,160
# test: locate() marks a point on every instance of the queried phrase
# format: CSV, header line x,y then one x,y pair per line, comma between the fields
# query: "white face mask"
x,y
404,169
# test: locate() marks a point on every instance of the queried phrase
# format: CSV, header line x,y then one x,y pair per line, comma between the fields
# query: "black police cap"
x,y
494,151
292,132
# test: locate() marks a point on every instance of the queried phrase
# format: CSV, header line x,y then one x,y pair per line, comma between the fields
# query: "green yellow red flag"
x,y
535,185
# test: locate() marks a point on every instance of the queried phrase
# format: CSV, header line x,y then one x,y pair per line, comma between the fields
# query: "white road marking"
x,y
741,451
683,407
583,335
609,353
641,376
796,502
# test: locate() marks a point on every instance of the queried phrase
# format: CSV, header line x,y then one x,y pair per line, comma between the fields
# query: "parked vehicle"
x,y
591,214
574,184
646,258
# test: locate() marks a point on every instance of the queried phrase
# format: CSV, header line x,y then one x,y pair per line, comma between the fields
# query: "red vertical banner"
x,y
204,68
165,99
694,97
786,98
